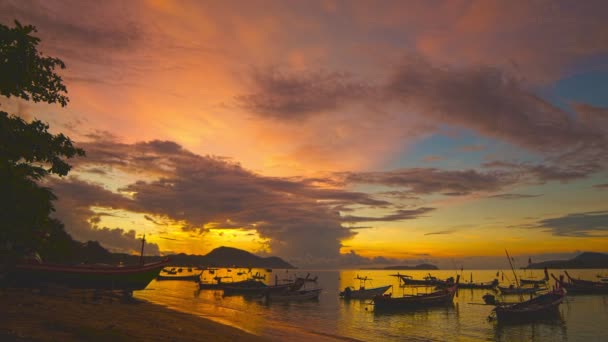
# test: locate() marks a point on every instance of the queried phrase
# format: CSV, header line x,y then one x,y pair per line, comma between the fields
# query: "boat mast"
x,y
514,274
141,256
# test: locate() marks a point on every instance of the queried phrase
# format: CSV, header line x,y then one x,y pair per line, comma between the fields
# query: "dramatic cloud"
x,y
294,96
548,172
399,215
299,218
73,207
420,181
490,102
585,224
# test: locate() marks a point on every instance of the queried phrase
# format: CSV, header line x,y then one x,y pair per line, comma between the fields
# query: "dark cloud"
x,y
586,224
484,99
300,219
490,102
399,215
420,181
148,218
73,207
548,172
295,96
402,195
512,196
601,186
78,30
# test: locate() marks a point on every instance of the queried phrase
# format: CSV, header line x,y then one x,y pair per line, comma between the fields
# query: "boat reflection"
x,y
546,329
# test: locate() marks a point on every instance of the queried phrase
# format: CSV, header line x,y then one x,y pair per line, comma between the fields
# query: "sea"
x,y
330,318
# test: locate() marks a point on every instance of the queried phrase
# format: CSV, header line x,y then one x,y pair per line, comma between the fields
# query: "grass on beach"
x,y
28,316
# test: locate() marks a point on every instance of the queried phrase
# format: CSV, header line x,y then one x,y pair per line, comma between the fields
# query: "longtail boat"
x,y
362,292
35,274
440,297
512,289
215,284
528,281
580,286
122,278
428,280
254,287
192,277
483,285
541,307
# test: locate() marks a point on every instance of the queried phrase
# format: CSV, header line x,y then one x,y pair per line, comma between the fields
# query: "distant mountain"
x,y
583,260
229,257
421,267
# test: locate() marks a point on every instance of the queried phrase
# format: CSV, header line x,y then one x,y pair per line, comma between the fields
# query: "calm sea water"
x,y
583,317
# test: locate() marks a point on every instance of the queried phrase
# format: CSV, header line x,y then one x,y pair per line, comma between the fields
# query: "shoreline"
x,y
75,316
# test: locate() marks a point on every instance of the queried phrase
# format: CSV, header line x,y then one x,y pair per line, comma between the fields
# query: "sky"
x,y
332,133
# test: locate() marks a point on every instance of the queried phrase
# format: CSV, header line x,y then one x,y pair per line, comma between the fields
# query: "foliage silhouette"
x,y
28,152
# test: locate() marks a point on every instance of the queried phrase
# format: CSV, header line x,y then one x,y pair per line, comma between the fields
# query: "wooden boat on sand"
x,y
35,274
99,277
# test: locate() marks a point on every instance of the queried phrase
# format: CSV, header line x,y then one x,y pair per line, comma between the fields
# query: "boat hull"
x,y
542,307
484,286
438,298
364,293
127,278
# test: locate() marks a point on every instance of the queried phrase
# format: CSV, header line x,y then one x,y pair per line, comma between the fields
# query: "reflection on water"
x,y
543,330
582,318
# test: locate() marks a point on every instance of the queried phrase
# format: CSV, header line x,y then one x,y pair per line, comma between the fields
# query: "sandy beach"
x,y
69,316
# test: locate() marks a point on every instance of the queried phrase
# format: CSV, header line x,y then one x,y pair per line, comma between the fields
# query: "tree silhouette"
x,y
28,152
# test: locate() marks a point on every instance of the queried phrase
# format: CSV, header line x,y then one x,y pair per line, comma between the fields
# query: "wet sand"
x,y
70,316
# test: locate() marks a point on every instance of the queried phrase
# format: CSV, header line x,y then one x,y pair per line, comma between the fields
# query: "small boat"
x,y
293,295
484,285
524,281
215,283
580,286
472,285
255,287
512,289
191,277
258,276
541,307
440,297
428,280
362,292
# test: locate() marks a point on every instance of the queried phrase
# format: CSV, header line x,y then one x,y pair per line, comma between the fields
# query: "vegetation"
x,y
28,152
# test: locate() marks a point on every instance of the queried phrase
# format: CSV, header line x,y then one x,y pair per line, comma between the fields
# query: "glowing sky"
x,y
332,133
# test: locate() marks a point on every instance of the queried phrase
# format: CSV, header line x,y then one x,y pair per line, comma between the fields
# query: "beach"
x,y
72,316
